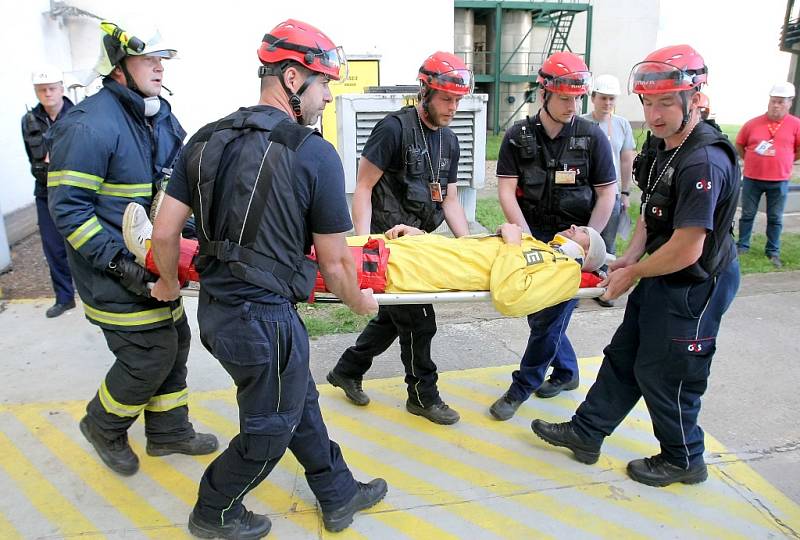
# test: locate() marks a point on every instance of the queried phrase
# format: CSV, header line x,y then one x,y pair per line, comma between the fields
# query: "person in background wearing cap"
x,y
554,170
114,148
48,84
407,176
769,145
623,148
264,188
662,351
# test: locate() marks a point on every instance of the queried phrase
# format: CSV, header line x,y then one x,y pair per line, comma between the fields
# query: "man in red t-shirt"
x,y
769,145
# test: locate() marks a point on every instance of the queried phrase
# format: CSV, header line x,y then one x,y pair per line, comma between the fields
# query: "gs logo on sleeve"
x,y
703,185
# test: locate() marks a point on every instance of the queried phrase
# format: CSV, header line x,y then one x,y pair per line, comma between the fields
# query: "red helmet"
x,y
306,45
565,73
672,69
446,72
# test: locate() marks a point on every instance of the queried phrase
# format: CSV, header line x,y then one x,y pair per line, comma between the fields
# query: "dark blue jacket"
x,y
104,155
35,124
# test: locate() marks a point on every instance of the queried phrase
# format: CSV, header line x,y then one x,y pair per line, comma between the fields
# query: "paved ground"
x,y
478,479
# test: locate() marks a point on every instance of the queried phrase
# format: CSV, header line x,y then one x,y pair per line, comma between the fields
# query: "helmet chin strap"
x,y
294,97
426,95
546,110
129,82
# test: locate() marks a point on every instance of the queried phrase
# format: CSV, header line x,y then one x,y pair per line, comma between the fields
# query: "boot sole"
x,y
204,532
584,456
695,478
419,411
124,472
342,523
332,379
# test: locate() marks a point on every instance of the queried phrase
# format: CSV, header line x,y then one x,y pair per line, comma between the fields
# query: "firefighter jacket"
x,y
404,195
105,154
553,191
659,197
35,124
250,219
522,279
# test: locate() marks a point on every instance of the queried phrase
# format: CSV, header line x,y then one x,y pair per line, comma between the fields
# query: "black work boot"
x,y
554,386
117,453
198,445
658,472
248,526
352,388
367,496
564,435
438,413
505,407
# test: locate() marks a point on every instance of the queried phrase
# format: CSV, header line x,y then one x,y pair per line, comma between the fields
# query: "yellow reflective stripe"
x,y
137,318
167,402
83,233
126,190
73,178
112,406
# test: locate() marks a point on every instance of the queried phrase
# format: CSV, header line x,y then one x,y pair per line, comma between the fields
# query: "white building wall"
x,y
217,43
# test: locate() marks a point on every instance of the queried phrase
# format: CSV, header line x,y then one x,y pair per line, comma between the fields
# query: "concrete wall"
x,y
217,43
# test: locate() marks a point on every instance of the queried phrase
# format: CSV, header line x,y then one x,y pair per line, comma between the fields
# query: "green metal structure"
x,y
555,17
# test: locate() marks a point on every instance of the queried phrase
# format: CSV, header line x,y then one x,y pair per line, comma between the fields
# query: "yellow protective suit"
x,y
522,279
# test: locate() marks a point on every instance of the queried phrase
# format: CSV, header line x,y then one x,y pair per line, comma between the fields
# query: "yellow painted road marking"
x,y
41,493
7,530
705,498
540,501
94,474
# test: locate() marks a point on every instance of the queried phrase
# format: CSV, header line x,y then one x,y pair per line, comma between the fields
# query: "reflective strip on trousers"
x,y
112,406
167,402
137,318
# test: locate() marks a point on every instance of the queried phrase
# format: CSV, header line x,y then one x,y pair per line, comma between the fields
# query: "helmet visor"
x,y
659,78
457,81
572,84
335,63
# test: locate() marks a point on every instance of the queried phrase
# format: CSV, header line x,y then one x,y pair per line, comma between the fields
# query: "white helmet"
x,y
47,74
606,84
782,89
117,43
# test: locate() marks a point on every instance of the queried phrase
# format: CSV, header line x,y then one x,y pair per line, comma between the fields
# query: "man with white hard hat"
x,y
53,105
769,145
623,148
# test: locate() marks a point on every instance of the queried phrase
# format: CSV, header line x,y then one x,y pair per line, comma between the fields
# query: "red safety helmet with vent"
x,y
306,45
565,73
672,69
446,72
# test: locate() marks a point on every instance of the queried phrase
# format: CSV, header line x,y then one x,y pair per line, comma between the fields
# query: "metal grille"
x,y
463,125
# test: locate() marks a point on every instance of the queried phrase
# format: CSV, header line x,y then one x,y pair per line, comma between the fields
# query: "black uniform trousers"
x,y
415,325
56,254
264,348
148,364
662,352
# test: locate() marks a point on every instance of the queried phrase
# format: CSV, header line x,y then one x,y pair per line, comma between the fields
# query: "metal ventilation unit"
x,y
357,115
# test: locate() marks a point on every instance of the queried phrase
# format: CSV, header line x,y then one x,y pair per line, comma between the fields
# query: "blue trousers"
x,y
547,344
264,348
55,253
776,193
662,352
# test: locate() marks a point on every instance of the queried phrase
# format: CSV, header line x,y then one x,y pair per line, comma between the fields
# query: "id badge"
x,y
765,148
436,191
565,177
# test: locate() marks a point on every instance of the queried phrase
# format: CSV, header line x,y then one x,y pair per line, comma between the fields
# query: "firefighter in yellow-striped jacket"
x,y
113,148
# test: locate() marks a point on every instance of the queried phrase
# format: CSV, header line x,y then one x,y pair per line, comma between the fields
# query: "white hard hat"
x,y
606,84
782,89
46,74
139,40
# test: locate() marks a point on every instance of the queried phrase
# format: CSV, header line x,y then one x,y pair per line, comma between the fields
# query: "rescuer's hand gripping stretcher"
x,y
516,272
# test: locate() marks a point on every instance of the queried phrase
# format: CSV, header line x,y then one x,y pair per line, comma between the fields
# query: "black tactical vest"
x,y
251,219
403,195
659,211
546,204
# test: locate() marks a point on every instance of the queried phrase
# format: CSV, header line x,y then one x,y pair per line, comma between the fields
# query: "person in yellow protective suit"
x,y
523,274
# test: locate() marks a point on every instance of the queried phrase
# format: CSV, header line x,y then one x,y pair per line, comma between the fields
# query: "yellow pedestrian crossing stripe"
x,y
478,479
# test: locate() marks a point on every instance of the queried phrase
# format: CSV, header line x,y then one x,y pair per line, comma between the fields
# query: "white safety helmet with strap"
x,y
47,74
118,42
606,84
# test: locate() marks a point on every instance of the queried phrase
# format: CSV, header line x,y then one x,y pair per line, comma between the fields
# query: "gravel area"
x,y
29,275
